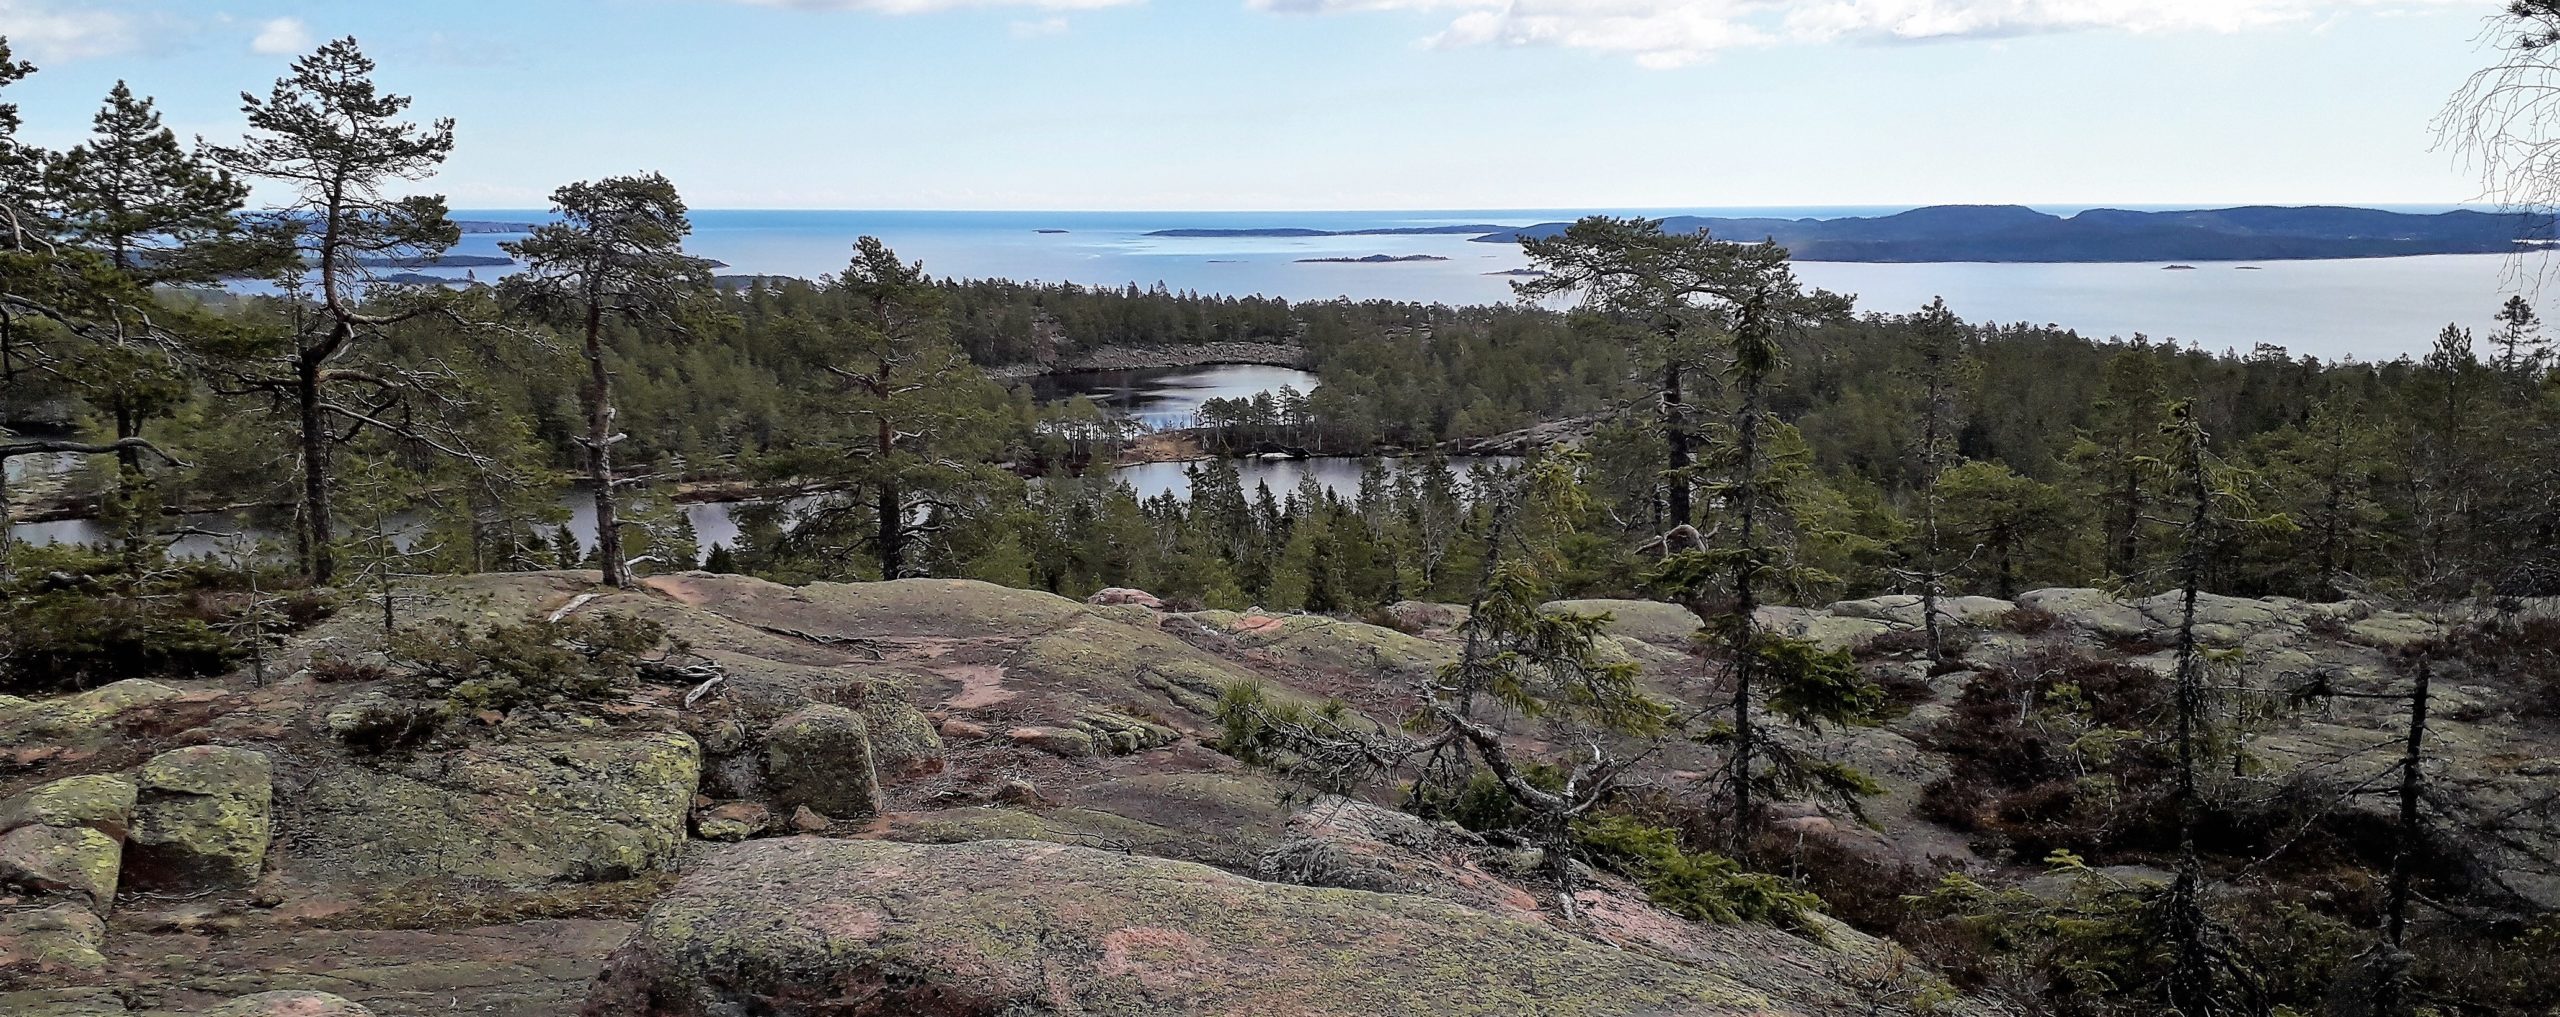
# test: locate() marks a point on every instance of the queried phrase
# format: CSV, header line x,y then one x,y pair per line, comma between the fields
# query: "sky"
x,y
1343,104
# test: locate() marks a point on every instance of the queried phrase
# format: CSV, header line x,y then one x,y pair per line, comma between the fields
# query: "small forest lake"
x,y
1157,398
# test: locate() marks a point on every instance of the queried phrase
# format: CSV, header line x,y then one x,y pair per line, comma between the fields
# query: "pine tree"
x,y
338,145
158,213
616,253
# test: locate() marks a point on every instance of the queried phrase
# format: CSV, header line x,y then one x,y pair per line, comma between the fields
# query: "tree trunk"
x,y
2191,973
1929,466
319,561
2390,963
600,450
1675,433
1746,607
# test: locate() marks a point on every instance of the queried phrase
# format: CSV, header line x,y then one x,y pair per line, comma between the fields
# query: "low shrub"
x,y
505,666
1700,886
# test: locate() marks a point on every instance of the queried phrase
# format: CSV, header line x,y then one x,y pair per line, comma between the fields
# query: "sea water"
x,y
2370,309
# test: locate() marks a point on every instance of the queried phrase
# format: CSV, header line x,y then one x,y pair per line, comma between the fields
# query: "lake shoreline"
x,y
1134,358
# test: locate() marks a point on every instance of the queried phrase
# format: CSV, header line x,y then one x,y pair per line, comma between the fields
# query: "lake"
x,y
1169,397
2373,309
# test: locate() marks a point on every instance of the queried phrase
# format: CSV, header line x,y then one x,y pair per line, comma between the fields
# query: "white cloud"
x,y
931,6
1670,33
46,32
1038,29
282,37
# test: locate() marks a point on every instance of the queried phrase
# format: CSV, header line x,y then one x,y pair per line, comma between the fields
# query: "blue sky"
x,y
1344,104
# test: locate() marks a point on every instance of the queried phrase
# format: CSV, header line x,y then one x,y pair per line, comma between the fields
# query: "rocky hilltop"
x,y
943,797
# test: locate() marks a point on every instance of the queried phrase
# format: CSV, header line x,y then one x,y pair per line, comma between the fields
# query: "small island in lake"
x,y
1048,231
1530,272
2177,268
1374,259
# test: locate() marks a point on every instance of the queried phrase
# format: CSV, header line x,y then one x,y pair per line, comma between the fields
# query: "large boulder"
x,y
2094,611
821,757
201,819
904,742
61,861
802,926
534,812
1903,609
289,1003
66,839
1651,621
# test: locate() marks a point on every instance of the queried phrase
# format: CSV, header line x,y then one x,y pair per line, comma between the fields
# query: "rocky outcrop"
x,y
84,717
53,937
289,1003
855,928
821,757
201,819
1336,842
531,812
1096,733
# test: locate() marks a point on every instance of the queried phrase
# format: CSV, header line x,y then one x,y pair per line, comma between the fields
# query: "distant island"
x,y
1519,271
1048,231
2015,233
1374,259
438,261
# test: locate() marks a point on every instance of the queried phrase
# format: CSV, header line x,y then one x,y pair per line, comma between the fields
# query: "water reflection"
x,y
1170,397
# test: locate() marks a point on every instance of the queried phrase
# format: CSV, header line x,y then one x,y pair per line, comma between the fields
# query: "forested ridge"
x,y
1745,450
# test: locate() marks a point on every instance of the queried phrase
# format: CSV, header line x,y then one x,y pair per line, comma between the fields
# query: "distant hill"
x,y
2015,233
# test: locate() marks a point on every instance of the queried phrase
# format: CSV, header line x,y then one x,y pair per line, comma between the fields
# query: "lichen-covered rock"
x,y
289,1003
58,937
1118,734
201,819
537,812
861,928
1107,662
2095,611
904,742
1335,643
1063,742
63,1003
1337,842
1123,597
1417,616
61,861
733,822
1903,609
375,721
101,802
821,757
80,717
1652,621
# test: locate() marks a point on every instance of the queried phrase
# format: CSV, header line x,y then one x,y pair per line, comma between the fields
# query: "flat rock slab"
x,y
596,809
853,928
